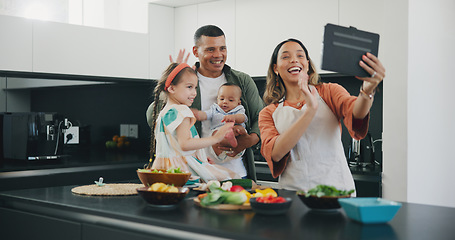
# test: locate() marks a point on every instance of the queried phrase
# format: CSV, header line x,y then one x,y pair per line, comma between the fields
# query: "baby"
x,y
227,109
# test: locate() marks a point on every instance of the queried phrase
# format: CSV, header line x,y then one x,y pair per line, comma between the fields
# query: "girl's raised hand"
x,y
180,57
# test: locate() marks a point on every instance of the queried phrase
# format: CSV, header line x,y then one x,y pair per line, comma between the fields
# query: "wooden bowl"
x,y
177,179
163,198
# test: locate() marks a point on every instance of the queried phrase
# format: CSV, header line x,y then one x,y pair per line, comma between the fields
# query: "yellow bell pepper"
x,y
247,194
266,192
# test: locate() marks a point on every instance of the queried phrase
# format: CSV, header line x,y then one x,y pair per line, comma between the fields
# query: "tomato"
x,y
236,188
270,199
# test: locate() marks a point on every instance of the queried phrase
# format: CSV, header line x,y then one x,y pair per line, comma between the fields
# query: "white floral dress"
x,y
168,151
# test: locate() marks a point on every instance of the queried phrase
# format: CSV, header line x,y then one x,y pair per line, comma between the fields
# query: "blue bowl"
x,y
369,210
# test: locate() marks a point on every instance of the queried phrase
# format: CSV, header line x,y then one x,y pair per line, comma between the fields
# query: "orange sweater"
x,y
337,99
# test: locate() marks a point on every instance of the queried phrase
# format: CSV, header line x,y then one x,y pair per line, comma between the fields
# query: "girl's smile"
x,y
184,91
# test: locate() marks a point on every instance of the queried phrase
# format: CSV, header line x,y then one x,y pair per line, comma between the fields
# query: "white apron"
x,y
318,157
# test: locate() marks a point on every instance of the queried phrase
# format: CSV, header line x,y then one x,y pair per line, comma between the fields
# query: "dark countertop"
x,y
131,213
76,169
81,158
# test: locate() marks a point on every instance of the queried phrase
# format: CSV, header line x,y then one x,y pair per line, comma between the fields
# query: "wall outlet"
x,y
129,130
124,130
71,135
133,131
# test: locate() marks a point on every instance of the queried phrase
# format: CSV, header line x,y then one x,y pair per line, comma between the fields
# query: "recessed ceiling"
x,y
179,3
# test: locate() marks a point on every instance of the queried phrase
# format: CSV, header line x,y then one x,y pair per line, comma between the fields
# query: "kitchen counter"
x,y
56,213
75,169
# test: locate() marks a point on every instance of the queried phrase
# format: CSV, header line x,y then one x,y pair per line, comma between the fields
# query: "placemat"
x,y
111,189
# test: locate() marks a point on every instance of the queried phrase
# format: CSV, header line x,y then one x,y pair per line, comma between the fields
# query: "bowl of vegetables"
x,y
172,176
323,197
161,194
270,205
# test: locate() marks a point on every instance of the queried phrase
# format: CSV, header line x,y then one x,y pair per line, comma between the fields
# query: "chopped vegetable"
x,y
236,188
245,183
220,196
170,170
270,199
248,195
226,186
266,192
236,198
325,190
162,187
174,170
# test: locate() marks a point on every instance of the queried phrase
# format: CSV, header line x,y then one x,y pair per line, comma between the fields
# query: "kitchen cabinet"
x,y
79,50
261,25
161,38
253,28
186,24
359,14
15,44
189,18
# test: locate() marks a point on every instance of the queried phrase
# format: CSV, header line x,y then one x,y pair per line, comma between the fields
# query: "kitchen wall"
x,y
102,107
431,115
418,115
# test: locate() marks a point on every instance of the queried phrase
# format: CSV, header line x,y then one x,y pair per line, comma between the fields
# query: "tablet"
x,y
343,49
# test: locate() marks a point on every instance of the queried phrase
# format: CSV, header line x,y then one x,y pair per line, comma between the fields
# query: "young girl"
x,y
301,128
175,141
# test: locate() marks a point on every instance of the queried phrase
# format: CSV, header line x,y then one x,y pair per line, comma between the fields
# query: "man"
x,y
210,48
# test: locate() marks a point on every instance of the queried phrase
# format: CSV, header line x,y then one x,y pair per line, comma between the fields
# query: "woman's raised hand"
x,y
309,92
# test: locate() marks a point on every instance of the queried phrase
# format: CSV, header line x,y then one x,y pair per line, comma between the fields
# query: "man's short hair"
x,y
209,31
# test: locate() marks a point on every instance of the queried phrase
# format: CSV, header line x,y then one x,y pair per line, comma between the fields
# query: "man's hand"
x,y
180,57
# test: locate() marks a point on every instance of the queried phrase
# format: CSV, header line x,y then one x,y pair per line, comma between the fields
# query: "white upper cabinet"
x,y
189,18
365,15
186,23
15,44
262,24
161,34
223,15
73,49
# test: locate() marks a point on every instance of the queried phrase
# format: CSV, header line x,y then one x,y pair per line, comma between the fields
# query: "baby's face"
x,y
229,97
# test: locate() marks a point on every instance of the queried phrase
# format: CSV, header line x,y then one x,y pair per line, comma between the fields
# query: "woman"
x,y
301,126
